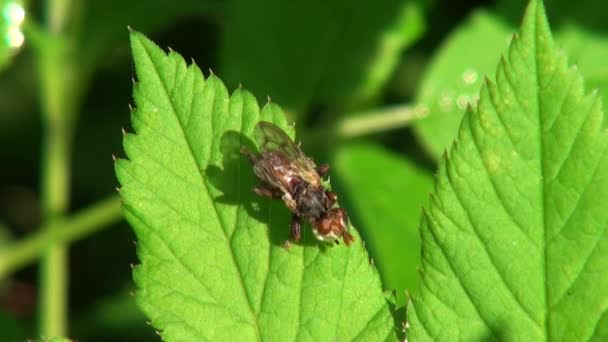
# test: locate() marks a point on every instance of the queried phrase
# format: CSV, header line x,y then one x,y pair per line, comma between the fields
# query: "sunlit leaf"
x,y
515,241
212,262
454,77
587,13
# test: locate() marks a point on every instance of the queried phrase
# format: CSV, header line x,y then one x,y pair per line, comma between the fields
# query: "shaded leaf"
x,y
104,22
515,241
386,192
307,53
212,262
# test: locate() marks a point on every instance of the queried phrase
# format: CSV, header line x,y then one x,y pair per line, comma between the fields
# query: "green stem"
x,y
60,95
86,222
378,121
368,122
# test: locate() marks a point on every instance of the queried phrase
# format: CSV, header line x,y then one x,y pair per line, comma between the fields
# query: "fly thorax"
x,y
311,201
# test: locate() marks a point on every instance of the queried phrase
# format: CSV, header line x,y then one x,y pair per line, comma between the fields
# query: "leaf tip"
x,y
211,72
268,99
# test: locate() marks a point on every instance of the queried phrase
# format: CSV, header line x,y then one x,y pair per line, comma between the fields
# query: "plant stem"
x,y
60,95
378,120
64,231
368,122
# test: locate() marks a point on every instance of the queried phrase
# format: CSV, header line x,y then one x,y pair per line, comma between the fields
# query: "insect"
x,y
287,173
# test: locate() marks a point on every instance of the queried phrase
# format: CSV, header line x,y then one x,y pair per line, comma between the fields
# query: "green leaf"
x,y
588,50
212,262
455,75
386,192
587,13
306,53
515,241
453,80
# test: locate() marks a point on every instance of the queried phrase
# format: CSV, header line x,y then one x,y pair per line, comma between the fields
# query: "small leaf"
x,y
212,262
307,53
515,241
386,192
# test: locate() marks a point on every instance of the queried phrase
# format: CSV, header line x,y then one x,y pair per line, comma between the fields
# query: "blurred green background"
x,y
377,89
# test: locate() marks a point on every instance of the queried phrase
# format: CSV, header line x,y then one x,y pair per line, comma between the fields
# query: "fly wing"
x,y
271,138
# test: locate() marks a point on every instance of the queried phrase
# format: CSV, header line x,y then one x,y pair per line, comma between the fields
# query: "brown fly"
x,y
287,173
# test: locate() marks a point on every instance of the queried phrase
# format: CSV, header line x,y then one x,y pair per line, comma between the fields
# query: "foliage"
x,y
227,253
513,237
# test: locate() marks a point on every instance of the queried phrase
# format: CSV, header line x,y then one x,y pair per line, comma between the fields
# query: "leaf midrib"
x,y
203,184
543,192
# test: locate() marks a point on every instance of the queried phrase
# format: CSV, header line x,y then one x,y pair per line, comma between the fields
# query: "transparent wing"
x,y
271,138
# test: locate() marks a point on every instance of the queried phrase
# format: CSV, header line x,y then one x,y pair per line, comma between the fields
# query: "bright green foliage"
x,y
589,51
515,239
386,193
318,52
212,262
455,76
588,13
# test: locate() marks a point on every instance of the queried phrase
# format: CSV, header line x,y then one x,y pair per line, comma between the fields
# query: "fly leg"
x,y
322,170
332,197
296,231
